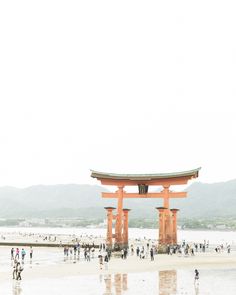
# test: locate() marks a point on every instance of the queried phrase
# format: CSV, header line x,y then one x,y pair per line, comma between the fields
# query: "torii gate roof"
x,y
145,177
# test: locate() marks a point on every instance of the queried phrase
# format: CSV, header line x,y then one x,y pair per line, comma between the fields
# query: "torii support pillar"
x,y
109,226
125,228
168,227
119,219
162,236
174,225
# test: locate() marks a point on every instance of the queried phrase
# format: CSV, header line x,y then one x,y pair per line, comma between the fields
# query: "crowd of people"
x,y
220,248
18,258
145,249
88,253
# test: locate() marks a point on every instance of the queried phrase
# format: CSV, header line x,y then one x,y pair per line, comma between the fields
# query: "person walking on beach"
x,y
19,270
93,251
23,253
106,259
109,254
137,251
14,273
85,253
88,255
152,254
132,250
100,260
12,253
31,252
168,249
125,253
17,253
75,249
142,255
122,253
196,277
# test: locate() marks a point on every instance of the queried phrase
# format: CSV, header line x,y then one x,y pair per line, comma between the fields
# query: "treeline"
x,y
217,223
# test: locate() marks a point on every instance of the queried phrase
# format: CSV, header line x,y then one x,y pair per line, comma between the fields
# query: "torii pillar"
x,y
174,225
109,226
119,219
125,228
162,236
167,227
167,215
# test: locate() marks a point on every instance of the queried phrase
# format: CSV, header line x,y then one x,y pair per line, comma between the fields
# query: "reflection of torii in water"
x,y
119,282
167,282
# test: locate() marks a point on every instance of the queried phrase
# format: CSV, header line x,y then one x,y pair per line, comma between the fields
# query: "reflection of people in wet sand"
x,y
196,287
16,288
196,277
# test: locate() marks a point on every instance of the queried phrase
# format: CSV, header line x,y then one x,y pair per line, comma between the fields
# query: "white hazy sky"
x,y
118,86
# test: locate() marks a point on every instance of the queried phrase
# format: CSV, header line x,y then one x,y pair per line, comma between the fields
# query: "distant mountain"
x,y
209,200
50,200
70,200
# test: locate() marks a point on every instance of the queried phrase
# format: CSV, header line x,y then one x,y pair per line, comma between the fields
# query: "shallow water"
x,y
214,237
170,282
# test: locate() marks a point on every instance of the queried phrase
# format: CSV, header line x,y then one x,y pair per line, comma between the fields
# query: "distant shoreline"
x,y
98,227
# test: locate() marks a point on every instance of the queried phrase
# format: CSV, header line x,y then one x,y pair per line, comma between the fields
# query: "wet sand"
x,y
81,279
51,273
212,282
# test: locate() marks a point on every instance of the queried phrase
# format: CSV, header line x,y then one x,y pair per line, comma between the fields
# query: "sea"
x,y
198,236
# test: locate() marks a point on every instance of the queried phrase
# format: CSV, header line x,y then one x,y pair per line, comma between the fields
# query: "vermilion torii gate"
x,y
167,216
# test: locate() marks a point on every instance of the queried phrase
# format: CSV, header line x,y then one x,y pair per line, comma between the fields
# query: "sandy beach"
x,y
134,264
51,272
50,261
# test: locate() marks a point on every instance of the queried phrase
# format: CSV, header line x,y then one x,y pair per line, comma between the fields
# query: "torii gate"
x,y
167,216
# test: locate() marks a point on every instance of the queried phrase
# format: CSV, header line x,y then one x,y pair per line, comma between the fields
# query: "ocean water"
x,y
214,237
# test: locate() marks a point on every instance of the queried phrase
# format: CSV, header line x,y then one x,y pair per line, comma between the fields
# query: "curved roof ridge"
x,y
98,174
